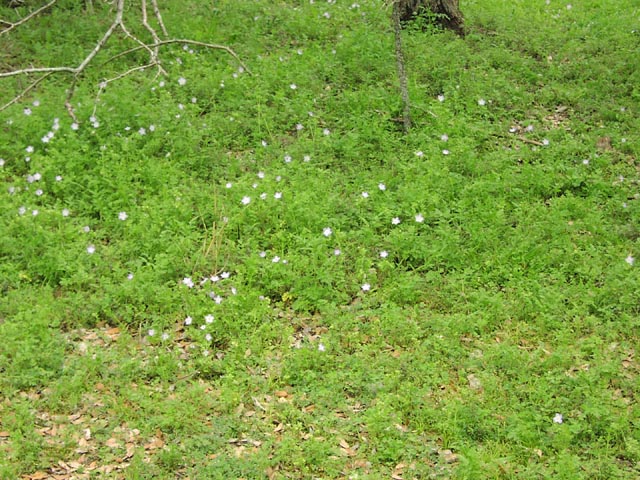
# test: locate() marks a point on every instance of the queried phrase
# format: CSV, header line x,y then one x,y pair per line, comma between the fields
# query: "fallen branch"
x,y
402,73
13,25
118,23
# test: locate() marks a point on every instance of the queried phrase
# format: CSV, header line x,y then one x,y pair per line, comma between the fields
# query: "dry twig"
x,y
118,23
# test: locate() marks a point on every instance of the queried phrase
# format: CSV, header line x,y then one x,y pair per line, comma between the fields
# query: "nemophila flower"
x,y
180,106
36,103
419,218
203,327
152,128
215,278
188,282
445,152
513,130
188,321
299,126
262,254
382,187
326,132
209,318
225,275
264,143
365,287
27,111
277,195
326,15
246,200
194,100
419,153
444,137
165,337
130,276
39,192
1,162
630,260
557,418
234,291
86,229
27,159
217,299
142,131
65,212
263,196
261,175
441,98
205,353
585,162
293,86
327,231
482,102
91,249
384,254
395,221
12,190
255,185
58,178
31,179
275,259
278,178
29,149
545,142
287,159
208,337
22,210
337,252
365,194
75,126
182,81
228,185
306,158
151,332
321,347
123,216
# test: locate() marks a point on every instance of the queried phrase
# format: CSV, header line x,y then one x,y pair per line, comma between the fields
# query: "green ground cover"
x,y
227,274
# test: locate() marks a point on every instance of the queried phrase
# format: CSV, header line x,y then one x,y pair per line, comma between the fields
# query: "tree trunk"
x,y
447,12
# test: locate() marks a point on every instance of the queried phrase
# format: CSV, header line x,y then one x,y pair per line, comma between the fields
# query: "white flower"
x,y
630,260
293,86
58,178
27,111
419,218
35,212
444,137
337,252
441,98
557,418
36,103
382,186
91,249
29,149
205,353
287,159
545,142
1,162
228,185
365,287
130,276
246,200
142,131
275,259
445,152
208,337
86,229
22,210
123,216
182,81
151,332
327,231
277,195
203,327
152,128
39,192
188,282
306,158
326,132
264,143
321,347
365,194
482,102
419,153
225,275
234,291
217,299
263,196
188,321
165,337
261,175
395,221
299,126
585,162
384,254
262,254
208,318
65,212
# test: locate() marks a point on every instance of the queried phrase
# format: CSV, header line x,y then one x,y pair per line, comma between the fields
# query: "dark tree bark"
x,y
447,12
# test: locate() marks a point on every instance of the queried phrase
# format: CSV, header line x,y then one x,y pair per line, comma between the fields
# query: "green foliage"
x,y
257,276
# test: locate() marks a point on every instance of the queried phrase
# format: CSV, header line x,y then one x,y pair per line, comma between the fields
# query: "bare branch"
x,y
402,74
155,52
187,42
25,19
156,10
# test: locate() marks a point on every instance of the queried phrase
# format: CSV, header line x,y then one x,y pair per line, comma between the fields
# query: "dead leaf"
x,y
281,393
5,434
112,443
604,143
